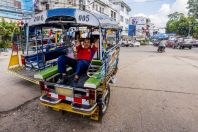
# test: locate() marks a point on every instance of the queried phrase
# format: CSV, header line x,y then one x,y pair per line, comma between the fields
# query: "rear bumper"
x,y
58,105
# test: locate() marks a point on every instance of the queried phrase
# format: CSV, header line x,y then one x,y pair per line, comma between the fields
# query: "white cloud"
x,y
161,16
180,6
140,15
165,9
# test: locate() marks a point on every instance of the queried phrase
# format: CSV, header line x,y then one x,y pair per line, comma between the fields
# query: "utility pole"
x,y
189,29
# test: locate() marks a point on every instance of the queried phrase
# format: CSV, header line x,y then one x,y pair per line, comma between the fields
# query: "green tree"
x,y
7,31
182,25
195,32
172,24
175,16
193,8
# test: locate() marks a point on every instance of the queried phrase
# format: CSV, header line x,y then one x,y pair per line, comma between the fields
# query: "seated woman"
x,y
85,53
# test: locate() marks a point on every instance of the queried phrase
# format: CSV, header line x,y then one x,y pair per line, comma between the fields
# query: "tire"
x,y
103,106
159,50
190,47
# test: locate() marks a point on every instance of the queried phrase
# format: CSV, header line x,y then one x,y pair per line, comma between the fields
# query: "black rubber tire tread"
x,y
101,114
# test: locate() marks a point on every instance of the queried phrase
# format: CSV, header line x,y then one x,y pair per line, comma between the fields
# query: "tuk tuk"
x,y
38,61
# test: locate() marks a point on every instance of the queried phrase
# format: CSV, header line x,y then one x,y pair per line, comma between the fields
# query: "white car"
x,y
150,43
135,44
124,43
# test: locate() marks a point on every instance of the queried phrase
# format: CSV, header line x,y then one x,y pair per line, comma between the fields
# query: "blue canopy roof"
x,y
73,17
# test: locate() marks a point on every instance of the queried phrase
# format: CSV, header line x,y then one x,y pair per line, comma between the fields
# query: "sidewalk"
x,y
13,91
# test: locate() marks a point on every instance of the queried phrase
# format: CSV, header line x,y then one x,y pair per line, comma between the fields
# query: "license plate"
x,y
64,91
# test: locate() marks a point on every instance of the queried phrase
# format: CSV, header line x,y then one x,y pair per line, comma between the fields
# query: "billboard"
x,y
27,5
132,30
137,21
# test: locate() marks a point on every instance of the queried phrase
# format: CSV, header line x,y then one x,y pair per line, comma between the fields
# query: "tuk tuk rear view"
x,y
90,95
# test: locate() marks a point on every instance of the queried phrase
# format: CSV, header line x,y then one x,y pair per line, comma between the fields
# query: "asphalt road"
x,y
13,91
154,92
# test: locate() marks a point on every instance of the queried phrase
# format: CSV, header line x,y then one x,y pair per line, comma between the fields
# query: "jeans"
x,y
79,66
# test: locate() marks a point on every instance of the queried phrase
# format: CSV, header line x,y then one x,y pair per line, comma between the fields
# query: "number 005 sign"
x,y
86,18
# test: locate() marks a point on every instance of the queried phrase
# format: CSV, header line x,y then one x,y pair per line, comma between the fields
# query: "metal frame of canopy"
x,y
71,17
64,18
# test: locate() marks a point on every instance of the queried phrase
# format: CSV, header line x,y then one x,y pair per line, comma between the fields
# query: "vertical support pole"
x,y
37,58
104,34
27,37
91,37
43,59
56,38
42,39
20,38
100,45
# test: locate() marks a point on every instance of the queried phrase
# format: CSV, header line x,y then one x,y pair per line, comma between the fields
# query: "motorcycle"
x,y
161,49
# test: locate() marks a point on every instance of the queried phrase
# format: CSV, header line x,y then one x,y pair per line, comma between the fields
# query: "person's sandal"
x,y
62,80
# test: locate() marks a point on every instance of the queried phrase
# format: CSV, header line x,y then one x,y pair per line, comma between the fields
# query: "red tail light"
x,y
22,60
77,100
85,97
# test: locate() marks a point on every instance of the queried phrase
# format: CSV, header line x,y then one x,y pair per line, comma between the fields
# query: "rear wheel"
x,y
104,103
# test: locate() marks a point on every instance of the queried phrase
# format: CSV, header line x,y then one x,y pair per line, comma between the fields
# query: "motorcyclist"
x,y
162,45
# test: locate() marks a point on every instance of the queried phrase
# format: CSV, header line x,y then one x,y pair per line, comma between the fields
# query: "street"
x,y
154,92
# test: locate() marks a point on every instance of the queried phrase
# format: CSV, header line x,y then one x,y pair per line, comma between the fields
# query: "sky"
x,y
157,10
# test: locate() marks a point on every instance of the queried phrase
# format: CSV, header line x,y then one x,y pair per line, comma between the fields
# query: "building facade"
x,y
98,6
115,9
16,9
123,14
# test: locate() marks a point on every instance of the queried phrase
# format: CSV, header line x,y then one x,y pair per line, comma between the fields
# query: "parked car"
x,y
135,44
124,43
178,41
186,43
195,43
156,42
170,43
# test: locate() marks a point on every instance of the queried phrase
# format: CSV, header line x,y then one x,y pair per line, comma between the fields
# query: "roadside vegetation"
x,y
184,25
6,33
